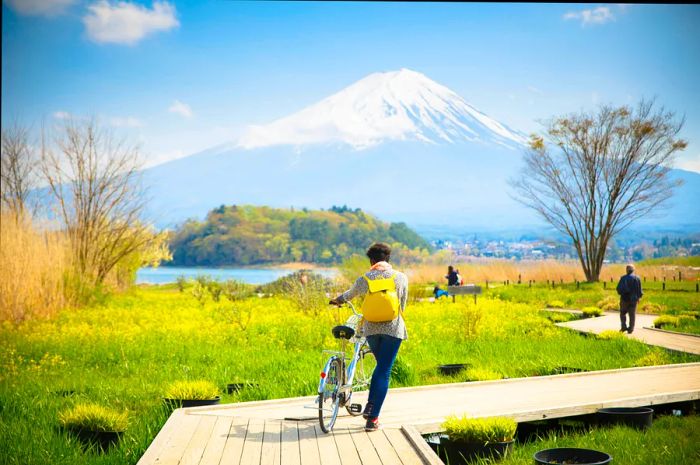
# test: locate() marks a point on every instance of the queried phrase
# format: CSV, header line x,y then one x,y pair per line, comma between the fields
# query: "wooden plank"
x,y
384,448
464,290
252,447
346,447
327,448
364,447
308,446
215,447
427,454
173,450
290,444
235,441
404,449
271,447
194,450
161,439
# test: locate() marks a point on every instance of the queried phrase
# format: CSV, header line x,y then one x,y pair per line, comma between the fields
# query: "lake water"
x,y
169,274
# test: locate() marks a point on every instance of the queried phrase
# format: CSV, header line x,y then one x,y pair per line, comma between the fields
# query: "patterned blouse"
x,y
395,327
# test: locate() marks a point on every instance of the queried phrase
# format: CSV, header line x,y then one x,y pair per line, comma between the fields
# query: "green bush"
x,y
93,417
555,304
611,334
653,358
591,311
648,307
192,390
181,282
666,320
479,430
609,304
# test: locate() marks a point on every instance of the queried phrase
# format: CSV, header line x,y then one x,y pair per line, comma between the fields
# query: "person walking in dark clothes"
x,y
630,290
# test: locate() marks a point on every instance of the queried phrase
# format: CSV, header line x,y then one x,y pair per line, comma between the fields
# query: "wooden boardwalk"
x,y
257,432
611,321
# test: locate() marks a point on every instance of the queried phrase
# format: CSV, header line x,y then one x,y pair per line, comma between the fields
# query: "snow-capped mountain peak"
x,y
397,105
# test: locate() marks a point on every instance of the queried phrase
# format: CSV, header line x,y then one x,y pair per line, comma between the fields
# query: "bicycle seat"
x,y
342,331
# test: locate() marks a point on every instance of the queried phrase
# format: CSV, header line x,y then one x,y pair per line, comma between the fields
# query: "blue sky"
x,y
183,76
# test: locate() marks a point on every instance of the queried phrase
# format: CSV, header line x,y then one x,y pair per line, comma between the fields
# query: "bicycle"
x,y
343,374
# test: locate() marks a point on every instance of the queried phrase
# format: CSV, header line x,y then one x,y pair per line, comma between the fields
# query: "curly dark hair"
x,y
379,252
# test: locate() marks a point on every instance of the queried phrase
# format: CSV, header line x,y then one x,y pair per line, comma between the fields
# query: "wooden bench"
x,y
468,289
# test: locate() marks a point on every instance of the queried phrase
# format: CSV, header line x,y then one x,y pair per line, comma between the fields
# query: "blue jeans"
x,y
384,348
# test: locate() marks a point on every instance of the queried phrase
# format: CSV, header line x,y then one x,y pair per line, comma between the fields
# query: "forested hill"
x,y
247,235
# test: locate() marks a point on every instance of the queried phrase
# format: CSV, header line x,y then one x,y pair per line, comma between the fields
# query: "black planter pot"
x,y
638,417
103,440
456,453
571,455
453,368
177,403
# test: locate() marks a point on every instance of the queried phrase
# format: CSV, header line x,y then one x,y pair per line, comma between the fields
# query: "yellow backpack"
x,y
381,302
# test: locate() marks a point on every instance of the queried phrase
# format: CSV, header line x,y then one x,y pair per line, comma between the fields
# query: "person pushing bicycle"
x,y
383,325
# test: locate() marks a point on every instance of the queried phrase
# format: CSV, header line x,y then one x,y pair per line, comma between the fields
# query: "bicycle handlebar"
x,y
352,307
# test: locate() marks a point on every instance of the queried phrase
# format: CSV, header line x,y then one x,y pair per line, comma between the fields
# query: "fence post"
x,y
561,280
679,276
552,284
605,284
520,278
697,287
578,284
529,283
654,278
663,286
487,284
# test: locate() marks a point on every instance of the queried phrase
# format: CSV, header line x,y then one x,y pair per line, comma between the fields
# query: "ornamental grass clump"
x,y
555,304
589,312
93,417
666,320
654,358
610,335
609,304
479,430
481,374
192,390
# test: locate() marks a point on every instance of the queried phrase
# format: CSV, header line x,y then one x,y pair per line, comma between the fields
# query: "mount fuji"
x,y
396,144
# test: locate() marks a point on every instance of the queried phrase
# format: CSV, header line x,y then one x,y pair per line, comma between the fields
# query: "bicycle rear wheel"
x,y
329,395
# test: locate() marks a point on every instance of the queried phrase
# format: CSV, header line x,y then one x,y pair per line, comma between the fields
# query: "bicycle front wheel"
x,y
329,393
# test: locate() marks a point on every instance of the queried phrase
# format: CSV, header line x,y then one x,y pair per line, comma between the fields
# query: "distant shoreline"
x,y
285,266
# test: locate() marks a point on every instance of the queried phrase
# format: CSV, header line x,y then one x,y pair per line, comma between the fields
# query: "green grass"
x,y
93,417
670,440
479,430
124,353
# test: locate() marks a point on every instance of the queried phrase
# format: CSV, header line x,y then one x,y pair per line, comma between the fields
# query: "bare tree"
x,y
597,173
96,183
18,170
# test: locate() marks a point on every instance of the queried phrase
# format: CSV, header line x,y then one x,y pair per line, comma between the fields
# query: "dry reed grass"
x,y
33,266
495,270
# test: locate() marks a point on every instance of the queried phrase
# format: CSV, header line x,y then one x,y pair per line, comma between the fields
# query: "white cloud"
x,y
39,7
599,15
534,90
127,23
62,115
181,109
125,122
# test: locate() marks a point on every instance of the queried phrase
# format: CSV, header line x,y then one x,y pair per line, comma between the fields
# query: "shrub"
x,y
655,357
93,417
591,312
648,307
558,317
215,290
555,304
181,282
609,304
199,292
611,334
192,390
666,320
236,290
479,430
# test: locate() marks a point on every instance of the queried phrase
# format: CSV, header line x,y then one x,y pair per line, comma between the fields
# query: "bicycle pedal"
x,y
356,408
